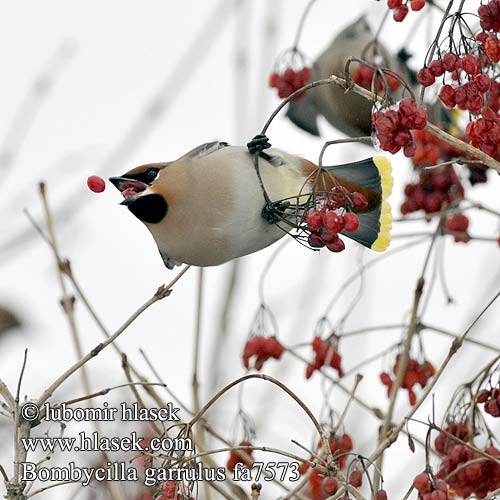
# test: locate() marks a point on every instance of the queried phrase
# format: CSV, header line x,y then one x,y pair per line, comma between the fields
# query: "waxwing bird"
x,y
206,208
347,112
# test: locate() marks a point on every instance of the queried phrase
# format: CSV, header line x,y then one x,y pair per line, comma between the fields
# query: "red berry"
x,y
315,240
409,149
381,495
328,236
457,223
425,77
351,222
417,5
483,82
274,80
483,396
356,478
392,4
461,96
96,184
422,483
289,75
420,119
345,443
436,67
330,485
492,407
447,96
385,378
359,200
337,246
314,219
333,221
470,64
449,62
400,13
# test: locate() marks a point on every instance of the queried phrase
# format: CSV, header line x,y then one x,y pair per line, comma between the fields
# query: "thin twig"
x,y
162,292
455,346
405,355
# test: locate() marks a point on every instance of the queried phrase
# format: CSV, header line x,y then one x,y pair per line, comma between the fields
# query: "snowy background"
x,y
100,87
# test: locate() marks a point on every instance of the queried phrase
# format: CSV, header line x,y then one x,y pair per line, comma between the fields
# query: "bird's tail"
x,y
372,178
304,114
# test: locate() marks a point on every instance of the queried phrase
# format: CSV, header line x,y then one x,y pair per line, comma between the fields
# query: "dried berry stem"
x,y
455,346
162,292
103,392
404,357
341,419
67,300
50,487
439,330
133,387
7,396
469,150
376,412
196,362
274,381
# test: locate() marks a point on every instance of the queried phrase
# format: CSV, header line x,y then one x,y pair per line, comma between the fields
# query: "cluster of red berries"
x,y
476,479
327,222
489,15
262,348
320,487
171,491
290,80
234,458
458,223
340,446
434,189
325,353
484,133
416,373
444,444
491,401
400,11
363,76
470,95
430,150
393,126
429,489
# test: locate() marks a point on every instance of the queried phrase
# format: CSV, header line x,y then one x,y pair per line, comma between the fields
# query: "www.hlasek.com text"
x,y
94,442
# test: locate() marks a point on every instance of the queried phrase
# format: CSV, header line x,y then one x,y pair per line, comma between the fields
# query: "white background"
x,y
121,92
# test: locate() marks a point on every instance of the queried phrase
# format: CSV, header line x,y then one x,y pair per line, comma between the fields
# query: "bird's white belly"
x,y
228,223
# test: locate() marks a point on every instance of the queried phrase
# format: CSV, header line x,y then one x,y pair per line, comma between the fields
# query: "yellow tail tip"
x,y
384,236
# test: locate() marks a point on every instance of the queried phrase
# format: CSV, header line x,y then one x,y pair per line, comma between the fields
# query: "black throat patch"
x,y
150,208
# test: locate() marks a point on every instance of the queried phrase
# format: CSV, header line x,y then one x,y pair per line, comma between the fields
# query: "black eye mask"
x,y
150,208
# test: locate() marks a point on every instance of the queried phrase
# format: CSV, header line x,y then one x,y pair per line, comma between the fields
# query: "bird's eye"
x,y
151,174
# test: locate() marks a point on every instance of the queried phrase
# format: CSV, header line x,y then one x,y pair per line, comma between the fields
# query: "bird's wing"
x,y
205,149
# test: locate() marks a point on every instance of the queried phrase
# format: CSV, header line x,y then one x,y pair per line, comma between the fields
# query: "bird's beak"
x,y
129,188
